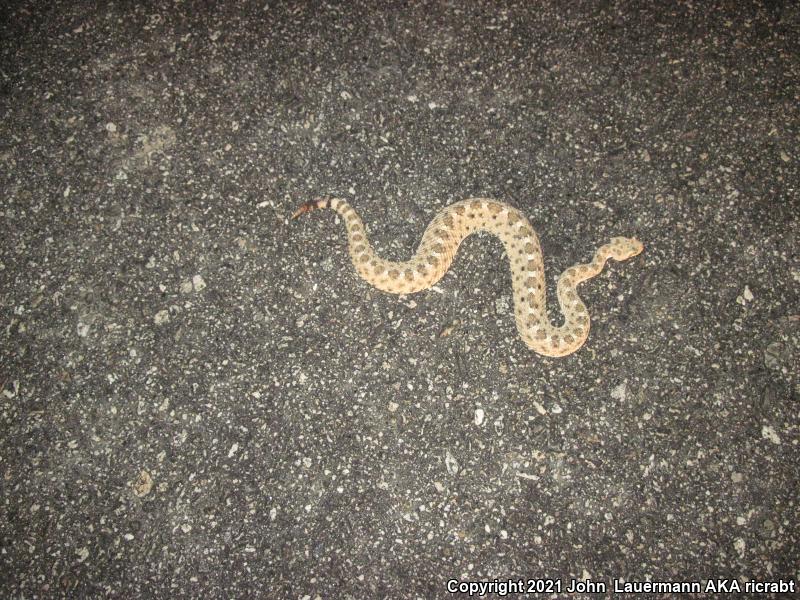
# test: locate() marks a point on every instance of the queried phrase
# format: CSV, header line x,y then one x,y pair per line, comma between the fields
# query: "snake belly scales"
x,y
438,248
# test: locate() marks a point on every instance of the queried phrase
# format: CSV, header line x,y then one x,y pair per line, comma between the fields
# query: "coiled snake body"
x,y
438,248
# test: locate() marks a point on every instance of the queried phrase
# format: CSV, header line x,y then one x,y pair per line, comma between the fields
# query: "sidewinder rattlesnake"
x,y
438,248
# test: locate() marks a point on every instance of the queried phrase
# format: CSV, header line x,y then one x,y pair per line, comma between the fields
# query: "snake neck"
x,y
552,340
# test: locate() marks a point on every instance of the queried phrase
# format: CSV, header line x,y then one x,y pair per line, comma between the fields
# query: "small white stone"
x,y
83,329
769,433
199,283
143,484
479,416
451,463
748,295
234,449
8,393
161,317
620,392
539,408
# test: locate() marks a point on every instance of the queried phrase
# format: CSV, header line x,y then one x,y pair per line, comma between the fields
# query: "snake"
x,y
438,248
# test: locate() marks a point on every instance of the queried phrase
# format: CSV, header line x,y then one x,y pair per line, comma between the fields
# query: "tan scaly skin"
x,y
440,243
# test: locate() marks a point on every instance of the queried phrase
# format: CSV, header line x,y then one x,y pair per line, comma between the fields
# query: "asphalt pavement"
x,y
201,399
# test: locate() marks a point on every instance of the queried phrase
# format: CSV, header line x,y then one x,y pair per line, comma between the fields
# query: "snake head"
x,y
622,248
